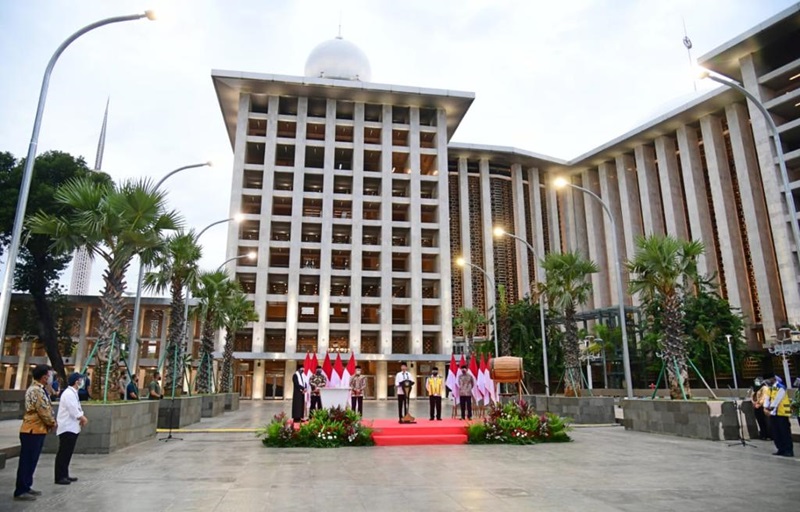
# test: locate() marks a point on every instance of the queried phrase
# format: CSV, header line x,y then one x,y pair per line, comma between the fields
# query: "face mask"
x,y
80,384
435,374
50,379
358,372
319,372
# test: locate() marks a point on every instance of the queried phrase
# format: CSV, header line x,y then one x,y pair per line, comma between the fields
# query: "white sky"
x,y
557,78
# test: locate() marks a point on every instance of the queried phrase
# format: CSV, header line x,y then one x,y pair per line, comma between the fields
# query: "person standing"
x,y
317,382
358,385
298,395
760,395
36,423
778,406
83,393
154,388
122,386
465,384
70,420
403,401
434,386
132,391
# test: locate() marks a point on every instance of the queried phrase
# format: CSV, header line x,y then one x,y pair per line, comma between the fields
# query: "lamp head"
x,y
239,217
252,255
498,231
700,72
560,182
460,261
150,15
210,163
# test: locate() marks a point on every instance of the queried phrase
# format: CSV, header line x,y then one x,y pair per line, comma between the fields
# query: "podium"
x,y
335,397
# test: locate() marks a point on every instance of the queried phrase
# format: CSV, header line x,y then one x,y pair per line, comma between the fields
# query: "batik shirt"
x,y
358,384
38,418
465,384
317,382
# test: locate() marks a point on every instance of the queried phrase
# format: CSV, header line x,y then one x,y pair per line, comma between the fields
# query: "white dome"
x,y
339,59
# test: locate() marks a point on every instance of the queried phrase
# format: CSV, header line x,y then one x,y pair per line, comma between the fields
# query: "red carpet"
x,y
424,432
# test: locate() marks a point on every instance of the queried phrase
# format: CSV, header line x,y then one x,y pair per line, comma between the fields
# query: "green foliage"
x,y
327,428
517,423
469,320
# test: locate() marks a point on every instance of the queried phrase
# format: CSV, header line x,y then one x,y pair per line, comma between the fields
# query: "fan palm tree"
x,y
567,286
176,268
212,290
469,319
664,270
237,312
115,222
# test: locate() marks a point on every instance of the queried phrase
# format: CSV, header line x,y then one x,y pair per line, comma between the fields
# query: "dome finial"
x,y
339,59
340,26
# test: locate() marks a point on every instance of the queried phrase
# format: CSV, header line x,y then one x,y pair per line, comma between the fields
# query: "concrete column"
x,y
729,235
22,365
445,260
670,181
700,225
323,332
596,239
521,230
381,379
777,208
551,198
7,378
538,220
259,376
288,372
488,237
647,175
609,191
632,225
83,331
357,232
756,217
466,248
386,234
416,233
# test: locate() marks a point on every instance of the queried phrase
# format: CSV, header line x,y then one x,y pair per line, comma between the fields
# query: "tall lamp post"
x,y
783,350
733,363
27,172
461,262
498,232
250,255
626,362
133,339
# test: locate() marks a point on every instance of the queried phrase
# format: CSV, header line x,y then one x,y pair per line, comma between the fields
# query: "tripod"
x,y
742,441
172,398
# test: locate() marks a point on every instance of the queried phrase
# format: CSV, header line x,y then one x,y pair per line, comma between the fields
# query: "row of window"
x,y
343,209
400,342
341,133
345,110
314,182
340,260
278,284
309,312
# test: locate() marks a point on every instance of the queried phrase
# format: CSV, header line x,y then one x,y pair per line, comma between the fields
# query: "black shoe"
x,y
430,419
25,497
438,419
63,481
72,478
778,453
34,492
463,418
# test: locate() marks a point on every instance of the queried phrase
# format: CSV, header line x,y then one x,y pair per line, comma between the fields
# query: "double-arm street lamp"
x,y
626,362
461,262
499,232
27,172
250,255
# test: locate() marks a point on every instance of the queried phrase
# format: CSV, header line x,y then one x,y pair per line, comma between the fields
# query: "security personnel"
x,y
779,409
435,386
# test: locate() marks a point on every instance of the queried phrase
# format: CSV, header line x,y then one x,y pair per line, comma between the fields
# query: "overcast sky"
x,y
557,78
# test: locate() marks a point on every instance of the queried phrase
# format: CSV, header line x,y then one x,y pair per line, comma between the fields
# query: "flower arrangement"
x,y
327,428
517,423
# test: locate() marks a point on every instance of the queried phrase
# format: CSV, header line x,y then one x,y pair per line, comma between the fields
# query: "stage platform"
x,y
423,432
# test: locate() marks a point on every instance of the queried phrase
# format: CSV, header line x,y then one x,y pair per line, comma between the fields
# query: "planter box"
x,y
112,426
213,405
231,401
180,412
593,410
12,404
713,420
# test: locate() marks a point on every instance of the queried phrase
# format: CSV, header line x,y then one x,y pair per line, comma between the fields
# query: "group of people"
x,y
313,388
39,420
772,411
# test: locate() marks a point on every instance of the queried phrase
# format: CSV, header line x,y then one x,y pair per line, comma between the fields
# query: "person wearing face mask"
x,y
465,384
70,420
317,382
36,423
403,401
154,388
298,395
435,385
358,384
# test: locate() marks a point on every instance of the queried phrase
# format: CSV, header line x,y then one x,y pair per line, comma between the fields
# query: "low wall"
x,y
231,401
12,404
112,426
180,412
583,410
213,405
713,420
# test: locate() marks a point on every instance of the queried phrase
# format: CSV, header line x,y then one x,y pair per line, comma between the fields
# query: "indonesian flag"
x,y
349,371
488,383
307,366
473,369
452,381
327,368
338,370
481,381
312,366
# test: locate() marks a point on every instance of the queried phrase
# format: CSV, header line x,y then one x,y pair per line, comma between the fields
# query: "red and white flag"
x,y
473,370
338,370
349,371
482,380
327,368
452,380
488,383
312,366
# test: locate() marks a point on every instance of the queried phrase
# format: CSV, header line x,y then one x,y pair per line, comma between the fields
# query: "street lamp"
x,y
626,362
786,350
733,364
498,232
27,173
137,302
776,140
250,255
461,262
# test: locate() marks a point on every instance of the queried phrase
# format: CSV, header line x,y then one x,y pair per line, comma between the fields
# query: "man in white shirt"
x,y
70,420
402,400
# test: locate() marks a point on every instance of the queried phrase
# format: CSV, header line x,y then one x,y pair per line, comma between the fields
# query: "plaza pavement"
x,y
604,469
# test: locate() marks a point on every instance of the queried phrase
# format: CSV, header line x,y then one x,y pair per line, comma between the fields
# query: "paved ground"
x,y
604,469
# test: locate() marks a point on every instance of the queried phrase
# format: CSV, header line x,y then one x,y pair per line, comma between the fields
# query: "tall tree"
x,y
213,290
567,286
663,272
237,312
175,265
470,320
39,266
503,321
114,222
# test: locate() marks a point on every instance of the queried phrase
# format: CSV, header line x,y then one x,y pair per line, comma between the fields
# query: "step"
x,y
416,430
416,440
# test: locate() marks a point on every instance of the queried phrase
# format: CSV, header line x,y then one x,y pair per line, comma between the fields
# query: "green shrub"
x,y
327,428
517,423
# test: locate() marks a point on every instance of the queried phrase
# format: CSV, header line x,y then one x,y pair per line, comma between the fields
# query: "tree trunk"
x,y
112,311
226,386
204,370
173,368
674,348
47,328
572,355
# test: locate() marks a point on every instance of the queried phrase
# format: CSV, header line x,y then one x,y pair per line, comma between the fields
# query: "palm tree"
x,y
567,286
503,321
237,312
176,268
664,270
469,319
115,222
212,291
709,338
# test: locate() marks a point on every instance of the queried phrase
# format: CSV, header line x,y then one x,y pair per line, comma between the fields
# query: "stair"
x,y
446,432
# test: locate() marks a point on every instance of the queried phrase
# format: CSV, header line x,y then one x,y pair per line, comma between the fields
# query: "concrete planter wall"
x,y
213,405
583,410
231,401
181,412
12,404
112,426
713,420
